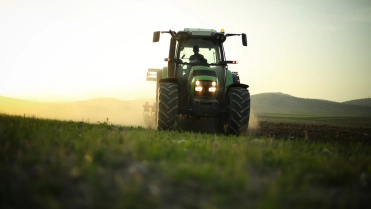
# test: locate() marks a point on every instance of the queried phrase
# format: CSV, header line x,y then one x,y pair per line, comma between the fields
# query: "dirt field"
x,y
289,130
312,132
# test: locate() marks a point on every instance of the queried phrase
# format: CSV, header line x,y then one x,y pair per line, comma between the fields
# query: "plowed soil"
x,y
282,130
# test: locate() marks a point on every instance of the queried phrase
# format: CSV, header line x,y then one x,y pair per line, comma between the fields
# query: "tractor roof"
x,y
200,31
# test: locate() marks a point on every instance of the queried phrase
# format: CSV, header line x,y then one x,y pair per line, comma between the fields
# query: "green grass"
x,y
316,118
61,164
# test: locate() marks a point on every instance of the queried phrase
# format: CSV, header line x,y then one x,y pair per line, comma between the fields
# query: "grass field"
x,y
61,164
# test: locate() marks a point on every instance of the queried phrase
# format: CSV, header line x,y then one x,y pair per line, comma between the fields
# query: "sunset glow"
x,y
76,50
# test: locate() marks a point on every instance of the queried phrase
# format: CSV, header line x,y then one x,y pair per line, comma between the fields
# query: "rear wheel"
x,y
238,113
159,77
167,106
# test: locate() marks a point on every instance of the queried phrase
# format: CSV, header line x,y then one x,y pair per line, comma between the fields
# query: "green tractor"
x,y
197,83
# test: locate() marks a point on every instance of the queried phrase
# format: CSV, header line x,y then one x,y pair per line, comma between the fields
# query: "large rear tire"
x,y
238,111
167,106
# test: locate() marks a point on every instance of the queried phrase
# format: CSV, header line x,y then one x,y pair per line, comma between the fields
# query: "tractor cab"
x,y
198,66
197,52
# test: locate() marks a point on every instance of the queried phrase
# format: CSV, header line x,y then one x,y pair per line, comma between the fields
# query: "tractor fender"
x,y
235,78
169,80
245,86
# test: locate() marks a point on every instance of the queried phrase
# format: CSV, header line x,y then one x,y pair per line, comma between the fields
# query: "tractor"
x,y
197,83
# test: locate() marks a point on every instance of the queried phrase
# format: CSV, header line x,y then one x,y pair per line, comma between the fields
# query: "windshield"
x,y
200,50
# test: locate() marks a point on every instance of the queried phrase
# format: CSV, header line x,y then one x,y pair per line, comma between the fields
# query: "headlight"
x,y
198,88
197,83
213,83
212,89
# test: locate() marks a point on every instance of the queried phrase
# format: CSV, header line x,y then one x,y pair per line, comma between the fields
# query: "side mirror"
x,y
156,36
244,39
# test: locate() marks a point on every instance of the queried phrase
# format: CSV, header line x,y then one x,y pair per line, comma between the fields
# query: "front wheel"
x,y
167,106
238,111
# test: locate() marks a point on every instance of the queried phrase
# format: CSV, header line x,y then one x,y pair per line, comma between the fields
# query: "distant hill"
x,y
131,112
360,102
284,103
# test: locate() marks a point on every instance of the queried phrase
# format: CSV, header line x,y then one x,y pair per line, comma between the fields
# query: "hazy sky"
x,y
71,50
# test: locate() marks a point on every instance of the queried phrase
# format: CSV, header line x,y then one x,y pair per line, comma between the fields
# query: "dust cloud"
x,y
105,110
254,126
254,122
112,111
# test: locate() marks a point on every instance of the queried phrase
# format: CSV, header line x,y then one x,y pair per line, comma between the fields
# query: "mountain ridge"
x,y
130,112
360,101
285,103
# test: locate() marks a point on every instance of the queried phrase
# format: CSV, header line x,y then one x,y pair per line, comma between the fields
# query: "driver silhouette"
x,y
196,57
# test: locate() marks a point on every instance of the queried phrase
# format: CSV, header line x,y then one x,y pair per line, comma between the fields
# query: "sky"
x,y
73,50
